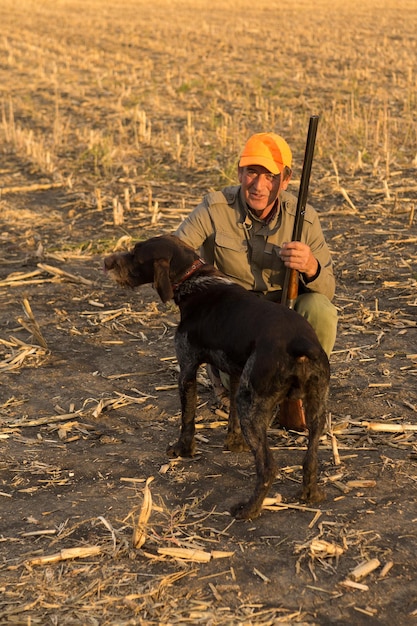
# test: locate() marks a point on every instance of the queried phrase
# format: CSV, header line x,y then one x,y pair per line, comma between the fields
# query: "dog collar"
x,y
194,267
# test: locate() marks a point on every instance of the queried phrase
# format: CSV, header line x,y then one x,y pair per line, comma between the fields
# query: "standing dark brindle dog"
x,y
270,352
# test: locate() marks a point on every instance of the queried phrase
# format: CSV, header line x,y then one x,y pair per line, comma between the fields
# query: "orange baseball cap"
x,y
266,149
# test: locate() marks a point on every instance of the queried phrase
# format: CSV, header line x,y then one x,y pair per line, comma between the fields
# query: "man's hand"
x,y
298,256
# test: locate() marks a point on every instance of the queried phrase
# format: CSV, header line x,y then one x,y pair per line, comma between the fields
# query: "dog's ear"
x,y
161,280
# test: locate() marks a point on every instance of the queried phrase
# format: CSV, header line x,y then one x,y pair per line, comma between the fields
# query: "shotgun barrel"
x,y
290,288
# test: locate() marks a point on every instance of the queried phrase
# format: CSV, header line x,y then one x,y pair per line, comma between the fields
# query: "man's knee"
x,y
322,315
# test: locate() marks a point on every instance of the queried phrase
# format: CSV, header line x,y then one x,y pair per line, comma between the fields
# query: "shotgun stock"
x,y
290,288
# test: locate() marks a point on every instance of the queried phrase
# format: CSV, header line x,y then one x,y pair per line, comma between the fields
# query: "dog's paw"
x,y
236,443
244,511
312,495
180,449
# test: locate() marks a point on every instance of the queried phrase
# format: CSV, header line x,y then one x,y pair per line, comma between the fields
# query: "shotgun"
x,y
290,289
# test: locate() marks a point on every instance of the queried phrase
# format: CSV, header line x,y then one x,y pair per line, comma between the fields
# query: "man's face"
x,y
260,187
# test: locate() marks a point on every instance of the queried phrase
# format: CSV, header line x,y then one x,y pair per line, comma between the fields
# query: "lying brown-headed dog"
x,y
269,351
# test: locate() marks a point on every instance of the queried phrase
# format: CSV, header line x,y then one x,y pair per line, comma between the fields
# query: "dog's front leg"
x,y
187,384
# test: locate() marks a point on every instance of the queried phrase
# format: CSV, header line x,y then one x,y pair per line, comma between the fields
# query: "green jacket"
x,y
246,249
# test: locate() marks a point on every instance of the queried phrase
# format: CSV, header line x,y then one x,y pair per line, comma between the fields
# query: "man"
x,y
245,231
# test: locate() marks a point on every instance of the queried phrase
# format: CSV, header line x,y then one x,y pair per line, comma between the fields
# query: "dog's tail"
x,y
303,348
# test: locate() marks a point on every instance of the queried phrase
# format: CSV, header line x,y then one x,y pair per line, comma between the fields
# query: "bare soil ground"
x,y
73,470
89,403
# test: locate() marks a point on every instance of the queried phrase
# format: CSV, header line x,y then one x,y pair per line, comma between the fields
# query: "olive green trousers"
x,y
322,315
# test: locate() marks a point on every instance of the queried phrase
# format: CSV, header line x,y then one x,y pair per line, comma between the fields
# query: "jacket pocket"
x,y
230,242
231,257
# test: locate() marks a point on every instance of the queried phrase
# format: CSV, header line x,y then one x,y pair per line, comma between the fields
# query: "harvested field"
x,y
116,119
